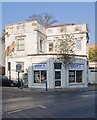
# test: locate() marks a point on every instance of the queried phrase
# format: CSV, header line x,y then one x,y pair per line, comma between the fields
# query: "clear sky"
x,y
64,12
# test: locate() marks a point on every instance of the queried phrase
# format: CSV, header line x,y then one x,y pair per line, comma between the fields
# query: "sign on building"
x,y
39,66
18,68
76,66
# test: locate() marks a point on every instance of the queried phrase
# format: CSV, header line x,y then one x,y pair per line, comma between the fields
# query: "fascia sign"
x,y
39,66
76,66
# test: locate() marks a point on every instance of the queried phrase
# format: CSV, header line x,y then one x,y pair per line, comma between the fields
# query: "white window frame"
x,y
75,76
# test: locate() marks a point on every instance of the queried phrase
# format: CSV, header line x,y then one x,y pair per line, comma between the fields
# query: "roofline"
x,y
20,22
59,25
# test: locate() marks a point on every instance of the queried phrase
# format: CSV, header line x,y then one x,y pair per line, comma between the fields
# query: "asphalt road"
x,y
27,104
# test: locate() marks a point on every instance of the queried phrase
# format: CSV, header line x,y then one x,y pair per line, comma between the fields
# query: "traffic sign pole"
x,y
18,80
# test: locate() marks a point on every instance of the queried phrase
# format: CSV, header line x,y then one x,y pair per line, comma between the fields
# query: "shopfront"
x,y
76,73
40,73
56,75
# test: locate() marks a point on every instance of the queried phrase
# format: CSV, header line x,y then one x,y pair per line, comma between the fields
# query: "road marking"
x,y
14,111
41,106
18,110
44,107
26,108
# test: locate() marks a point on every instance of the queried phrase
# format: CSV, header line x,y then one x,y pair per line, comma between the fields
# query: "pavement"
x,y
41,90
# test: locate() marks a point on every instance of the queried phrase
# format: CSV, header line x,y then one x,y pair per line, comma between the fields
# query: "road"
x,y
18,103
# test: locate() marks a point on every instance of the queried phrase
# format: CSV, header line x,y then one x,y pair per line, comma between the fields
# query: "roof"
x,y
59,25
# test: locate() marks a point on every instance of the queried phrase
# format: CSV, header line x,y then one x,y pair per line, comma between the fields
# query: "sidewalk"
x,y
41,90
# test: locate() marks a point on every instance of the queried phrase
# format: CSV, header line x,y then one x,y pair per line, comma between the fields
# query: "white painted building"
x,y
31,45
93,72
92,64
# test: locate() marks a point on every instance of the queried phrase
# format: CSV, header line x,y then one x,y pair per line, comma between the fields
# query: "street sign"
x,y
18,68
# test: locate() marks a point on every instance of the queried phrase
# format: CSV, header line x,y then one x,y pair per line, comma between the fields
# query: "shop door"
x,y
57,78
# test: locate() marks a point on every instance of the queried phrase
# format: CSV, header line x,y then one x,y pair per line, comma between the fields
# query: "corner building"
x,y
32,46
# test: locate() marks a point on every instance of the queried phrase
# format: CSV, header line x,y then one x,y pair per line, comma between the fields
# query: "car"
x,y
4,81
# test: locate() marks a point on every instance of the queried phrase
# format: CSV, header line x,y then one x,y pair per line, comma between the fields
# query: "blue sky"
x,y
64,12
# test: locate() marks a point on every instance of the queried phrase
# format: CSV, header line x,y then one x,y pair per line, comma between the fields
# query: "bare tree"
x,y
64,47
44,19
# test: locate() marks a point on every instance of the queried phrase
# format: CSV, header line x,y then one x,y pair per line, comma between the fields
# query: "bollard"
x,y
46,86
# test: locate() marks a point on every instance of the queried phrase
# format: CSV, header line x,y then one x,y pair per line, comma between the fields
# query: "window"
x,y
78,76
20,42
22,64
36,77
57,65
40,76
57,74
50,47
9,66
78,44
40,45
71,76
75,76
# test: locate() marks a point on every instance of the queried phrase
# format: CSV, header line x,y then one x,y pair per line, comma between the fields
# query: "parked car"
x,y
4,81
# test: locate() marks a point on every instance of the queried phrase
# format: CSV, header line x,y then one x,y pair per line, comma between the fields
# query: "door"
x,y
57,78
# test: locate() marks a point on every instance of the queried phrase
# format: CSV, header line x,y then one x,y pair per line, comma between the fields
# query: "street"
x,y
19,103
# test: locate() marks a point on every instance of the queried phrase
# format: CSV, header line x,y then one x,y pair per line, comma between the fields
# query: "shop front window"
x,y
36,77
71,76
75,76
78,76
40,76
43,76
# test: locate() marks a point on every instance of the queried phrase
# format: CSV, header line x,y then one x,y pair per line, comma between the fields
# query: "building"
x,y
92,64
2,55
32,46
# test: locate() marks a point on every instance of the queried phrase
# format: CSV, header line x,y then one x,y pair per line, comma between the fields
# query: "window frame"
x,y
75,76
20,44
40,76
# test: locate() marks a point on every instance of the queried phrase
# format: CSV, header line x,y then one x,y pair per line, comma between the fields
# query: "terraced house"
x,y
33,47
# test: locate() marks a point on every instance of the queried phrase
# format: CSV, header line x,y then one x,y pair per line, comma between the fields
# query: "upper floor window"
x,y
78,44
20,42
41,42
50,47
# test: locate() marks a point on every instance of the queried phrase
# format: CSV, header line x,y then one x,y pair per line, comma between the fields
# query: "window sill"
x,y
70,84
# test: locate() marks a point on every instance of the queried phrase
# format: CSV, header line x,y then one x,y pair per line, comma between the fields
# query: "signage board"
x,y
76,66
18,68
39,66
